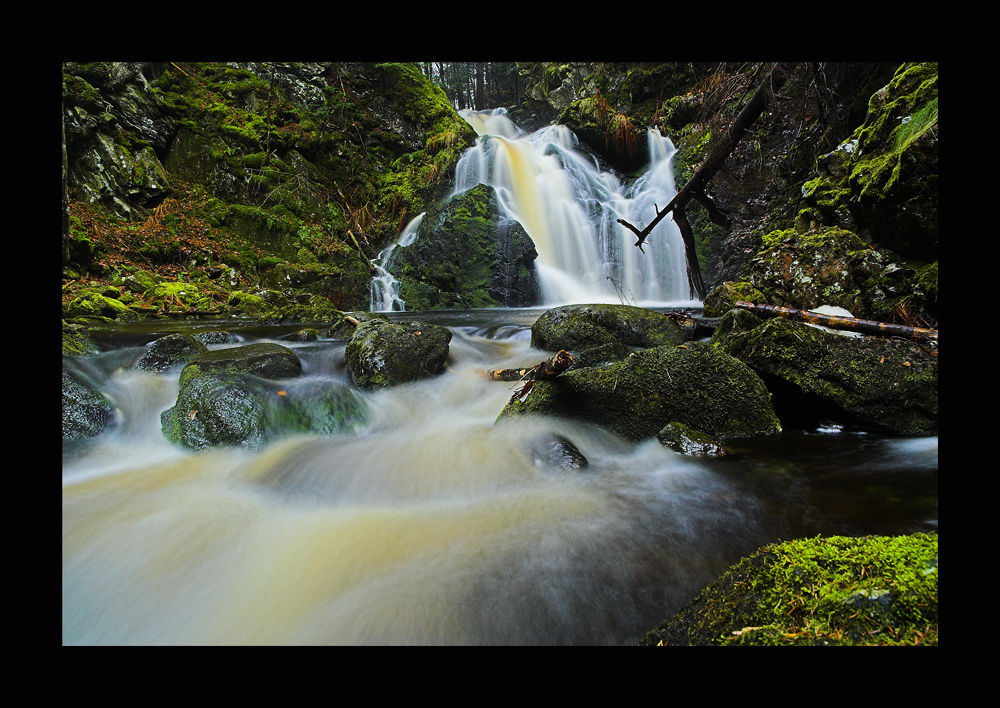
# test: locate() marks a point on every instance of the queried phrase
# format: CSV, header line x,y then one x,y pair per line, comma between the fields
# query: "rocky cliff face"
x,y
178,169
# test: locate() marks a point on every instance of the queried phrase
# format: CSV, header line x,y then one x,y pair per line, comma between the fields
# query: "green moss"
x,y
875,590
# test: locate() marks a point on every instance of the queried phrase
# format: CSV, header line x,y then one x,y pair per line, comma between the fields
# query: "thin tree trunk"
x,y
695,187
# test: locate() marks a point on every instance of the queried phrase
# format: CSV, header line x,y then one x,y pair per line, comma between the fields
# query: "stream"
x,y
432,523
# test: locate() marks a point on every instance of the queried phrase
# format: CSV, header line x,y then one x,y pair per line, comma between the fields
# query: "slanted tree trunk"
x,y
695,188
885,329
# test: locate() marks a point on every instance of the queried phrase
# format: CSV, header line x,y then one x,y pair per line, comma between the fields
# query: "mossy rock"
x,y
693,384
832,591
890,384
724,298
76,340
266,360
384,353
169,351
832,266
688,441
247,304
579,327
93,306
467,255
86,412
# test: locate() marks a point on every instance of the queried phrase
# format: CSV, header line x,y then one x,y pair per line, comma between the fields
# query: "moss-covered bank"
x,y
833,591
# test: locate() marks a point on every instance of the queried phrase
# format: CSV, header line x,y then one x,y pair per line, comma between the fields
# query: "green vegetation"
x,y
870,591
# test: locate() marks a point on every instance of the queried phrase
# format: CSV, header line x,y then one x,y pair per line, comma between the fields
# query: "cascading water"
x,y
570,208
385,287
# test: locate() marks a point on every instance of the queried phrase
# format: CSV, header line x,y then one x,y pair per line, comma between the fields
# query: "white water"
x,y
432,523
570,208
385,287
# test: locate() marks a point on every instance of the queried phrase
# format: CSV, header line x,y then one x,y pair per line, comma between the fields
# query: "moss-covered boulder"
x,y
86,412
833,266
174,295
169,351
578,327
834,591
467,255
219,408
383,353
887,383
251,395
266,360
694,384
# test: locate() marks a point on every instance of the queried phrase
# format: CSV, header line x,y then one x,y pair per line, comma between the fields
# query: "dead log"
x,y
543,370
853,324
695,187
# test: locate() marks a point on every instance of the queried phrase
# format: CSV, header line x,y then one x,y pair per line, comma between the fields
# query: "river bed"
x,y
432,523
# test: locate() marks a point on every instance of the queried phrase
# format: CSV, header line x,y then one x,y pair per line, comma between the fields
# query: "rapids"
x,y
432,523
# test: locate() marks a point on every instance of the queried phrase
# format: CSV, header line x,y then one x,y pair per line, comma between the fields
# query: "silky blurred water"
x,y
432,523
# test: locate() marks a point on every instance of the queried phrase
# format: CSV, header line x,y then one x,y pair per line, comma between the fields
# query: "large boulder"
x,y
250,395
887,383
467,254
580,327
383,353
694,384
833,266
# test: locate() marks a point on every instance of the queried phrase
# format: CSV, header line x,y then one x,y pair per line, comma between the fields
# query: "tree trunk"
x,y
853,324
695,188
65,193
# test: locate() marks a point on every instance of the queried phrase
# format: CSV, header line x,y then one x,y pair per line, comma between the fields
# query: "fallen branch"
x,y
543,370
853,324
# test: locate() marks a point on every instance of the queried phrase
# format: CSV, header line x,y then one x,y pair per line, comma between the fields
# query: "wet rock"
x,y
249,396
694,384
266,360
579,327
169,351
688,441
214,337
556,451
383,353
86,412
218,408
887,383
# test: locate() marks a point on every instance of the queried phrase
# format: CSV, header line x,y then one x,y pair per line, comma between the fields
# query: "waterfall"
x,y
385,287
570,208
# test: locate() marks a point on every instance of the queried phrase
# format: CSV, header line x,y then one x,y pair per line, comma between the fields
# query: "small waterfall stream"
x,y
570,209
385,287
